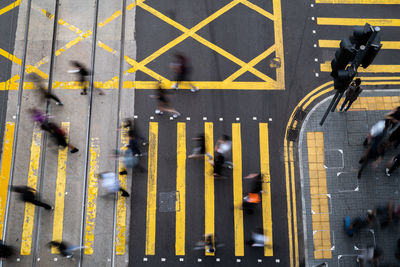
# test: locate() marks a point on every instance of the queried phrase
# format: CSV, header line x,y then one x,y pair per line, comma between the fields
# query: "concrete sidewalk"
x,y
328,160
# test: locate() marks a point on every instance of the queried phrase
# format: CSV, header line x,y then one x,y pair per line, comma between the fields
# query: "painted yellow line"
x,y
336,44
120,230
326,67
266,186
358,22
278,34
33,173
362,2
30,68
10,7
296,242
192,33
258,9
73,42
58,218
146,70
9,56
181,190
107,48
152,190
252,63
237,189
5,170
288,202
111,18
374,103
91,206
209,227
319,198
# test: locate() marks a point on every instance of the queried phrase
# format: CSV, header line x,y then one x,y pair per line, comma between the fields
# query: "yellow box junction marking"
x,y
93,190
58,218
209,227
326,67
319,198
10,7
9,56
336,44
152,190
358,22
5,171
362,2
237,189
33,173
266,187
181,190
373,103
120,230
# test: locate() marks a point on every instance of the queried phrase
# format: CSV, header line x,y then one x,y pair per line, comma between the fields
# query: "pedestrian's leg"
x,y
73,149
124,192
344,104
41,204
395,164
55,98
83,84
364,162
349,105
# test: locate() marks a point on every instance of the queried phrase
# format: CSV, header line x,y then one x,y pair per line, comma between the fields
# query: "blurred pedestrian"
x,y
5,251
394,138
352,226
83,74
257,181
250,201
395,164
133,132
39,84
182,71
397,253
163,103
200,150
258,239
352,94
111,183
221,149
59,135
393,117
38,116
30,195
208,243
371,256
64,248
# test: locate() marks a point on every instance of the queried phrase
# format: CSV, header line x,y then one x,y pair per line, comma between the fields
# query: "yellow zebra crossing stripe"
x,y
209,227
152,190
33,173
5,171
58,218
180,189
92,195
336,44
358,22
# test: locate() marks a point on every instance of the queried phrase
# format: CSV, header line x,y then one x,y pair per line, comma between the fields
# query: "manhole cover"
x,y
167,201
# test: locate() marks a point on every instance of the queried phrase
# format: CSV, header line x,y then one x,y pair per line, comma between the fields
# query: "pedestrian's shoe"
x,y
124,194
159,112
83,93
124,172
59,104
74,150
175,86
101,93
52,208
359,175
387,172
194,89
176,115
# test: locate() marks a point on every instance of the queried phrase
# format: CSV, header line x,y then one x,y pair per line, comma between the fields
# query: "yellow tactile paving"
x,y
373,103
319,197
229,83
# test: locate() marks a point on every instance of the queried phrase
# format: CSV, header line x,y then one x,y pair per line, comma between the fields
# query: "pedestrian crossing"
x,y
153,188
342,27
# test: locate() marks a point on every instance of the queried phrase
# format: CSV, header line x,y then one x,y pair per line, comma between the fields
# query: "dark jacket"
x,y
353,92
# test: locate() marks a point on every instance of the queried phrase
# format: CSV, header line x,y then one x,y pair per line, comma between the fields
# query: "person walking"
x,y
352,94
29,194
222,147
163,103
395,164
58,134
64,248
182,70
38,83
200,150
393,117
82,73
5,251
111,183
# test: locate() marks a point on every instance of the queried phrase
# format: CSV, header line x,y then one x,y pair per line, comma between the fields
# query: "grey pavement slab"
x,y
344,134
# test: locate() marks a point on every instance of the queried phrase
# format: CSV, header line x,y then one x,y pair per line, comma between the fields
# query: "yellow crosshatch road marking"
x,y
58,217
326,67
319,198
358,22
237,189
181,190
33,173
266,186
152,190
92,195
9,56
364,2
209,228
336,43
269,84
120,230
373,103
5,171
10,7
